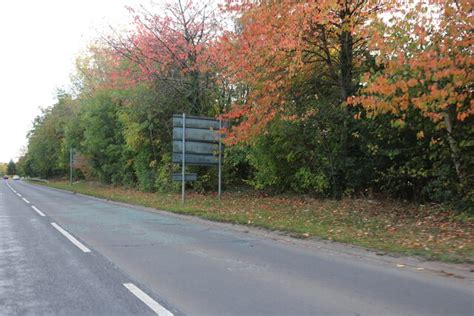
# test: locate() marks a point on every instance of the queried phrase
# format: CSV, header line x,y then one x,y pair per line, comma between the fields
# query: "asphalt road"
x,y
102,258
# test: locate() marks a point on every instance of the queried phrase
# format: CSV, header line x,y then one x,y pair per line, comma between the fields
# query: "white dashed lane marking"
x,y
71,238
145,298
37,211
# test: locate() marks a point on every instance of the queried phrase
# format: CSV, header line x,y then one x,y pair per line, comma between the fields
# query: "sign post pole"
x,y
194,143
70,165
183,182
219,188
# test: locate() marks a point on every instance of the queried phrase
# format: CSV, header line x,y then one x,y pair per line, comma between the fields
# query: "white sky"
x,y
39,42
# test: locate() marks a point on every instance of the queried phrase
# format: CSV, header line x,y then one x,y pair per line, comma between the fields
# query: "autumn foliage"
x,y
329,97
427,57
281,41
172,49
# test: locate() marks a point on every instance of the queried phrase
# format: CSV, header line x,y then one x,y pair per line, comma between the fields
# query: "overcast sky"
x,y
39,43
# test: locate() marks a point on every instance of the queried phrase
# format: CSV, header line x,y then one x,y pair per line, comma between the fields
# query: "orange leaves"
x,y
279,43
461,116
435,69
412,82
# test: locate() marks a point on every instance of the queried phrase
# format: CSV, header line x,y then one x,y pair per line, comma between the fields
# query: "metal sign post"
x,y
220,161
197,141
183,167
70,165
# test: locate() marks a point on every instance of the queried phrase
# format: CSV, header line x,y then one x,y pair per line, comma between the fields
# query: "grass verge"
x,y
432,232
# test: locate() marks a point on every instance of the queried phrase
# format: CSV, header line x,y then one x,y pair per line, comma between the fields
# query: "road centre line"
x,y
71,238
37,211
154,305
11,188
145,298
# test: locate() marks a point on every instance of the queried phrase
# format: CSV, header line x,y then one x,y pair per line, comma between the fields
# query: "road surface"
x,y
67,254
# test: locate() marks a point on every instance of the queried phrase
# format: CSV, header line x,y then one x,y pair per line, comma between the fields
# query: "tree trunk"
x,y
346,90
454,148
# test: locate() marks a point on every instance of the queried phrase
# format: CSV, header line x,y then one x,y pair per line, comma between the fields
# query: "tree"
x,y
11,168
170,50
102,140
47,153
3,168
161,67
298,60
277,42
426,65
139,112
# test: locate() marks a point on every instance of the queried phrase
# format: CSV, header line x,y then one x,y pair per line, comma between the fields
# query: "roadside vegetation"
x,y
3,169
399,228
338,102
8,168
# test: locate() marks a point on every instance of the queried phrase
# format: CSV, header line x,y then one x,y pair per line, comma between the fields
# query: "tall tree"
x,y
170,49
425,52
280,40
11,168
47,153
3,168
291,52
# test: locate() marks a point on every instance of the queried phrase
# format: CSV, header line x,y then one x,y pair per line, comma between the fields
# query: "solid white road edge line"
x,y
37,211
71,238
154,305
26,201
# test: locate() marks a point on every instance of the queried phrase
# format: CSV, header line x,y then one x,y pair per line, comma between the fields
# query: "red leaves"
x,y
162,46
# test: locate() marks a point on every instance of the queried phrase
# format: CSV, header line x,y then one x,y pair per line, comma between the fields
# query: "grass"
x,y
432,232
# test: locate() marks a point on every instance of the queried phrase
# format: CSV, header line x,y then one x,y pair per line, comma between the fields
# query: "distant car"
x,y
5,177
16,177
